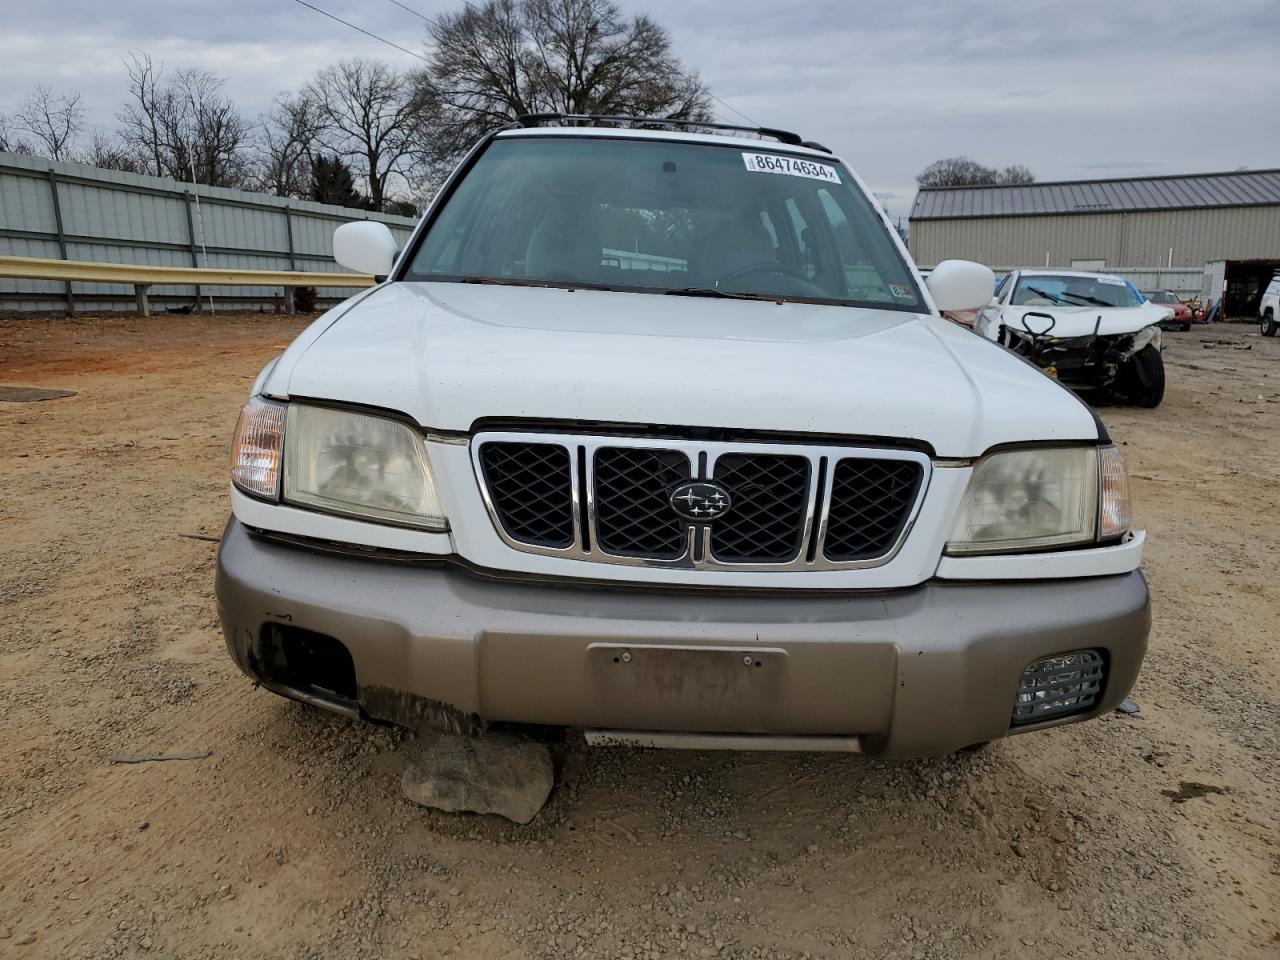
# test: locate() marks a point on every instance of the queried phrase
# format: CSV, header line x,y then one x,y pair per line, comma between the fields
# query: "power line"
x,y
421,16
734,109
347,23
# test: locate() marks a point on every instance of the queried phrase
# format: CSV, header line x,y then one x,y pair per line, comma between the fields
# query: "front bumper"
x,y
922,671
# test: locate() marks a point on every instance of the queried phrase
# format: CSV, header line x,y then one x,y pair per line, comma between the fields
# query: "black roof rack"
x,y
782,136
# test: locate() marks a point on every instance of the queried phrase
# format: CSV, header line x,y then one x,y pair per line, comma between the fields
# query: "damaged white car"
x,y
1092,331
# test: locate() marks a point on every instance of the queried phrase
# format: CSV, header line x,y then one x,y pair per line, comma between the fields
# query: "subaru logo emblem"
x,y
700,501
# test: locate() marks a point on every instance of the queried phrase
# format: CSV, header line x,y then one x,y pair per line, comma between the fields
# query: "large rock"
x,y
498,773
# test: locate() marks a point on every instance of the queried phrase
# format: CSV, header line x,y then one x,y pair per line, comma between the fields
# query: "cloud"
x,y
1087,89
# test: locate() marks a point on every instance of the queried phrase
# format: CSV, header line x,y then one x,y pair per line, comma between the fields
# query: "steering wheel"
x,y
762,267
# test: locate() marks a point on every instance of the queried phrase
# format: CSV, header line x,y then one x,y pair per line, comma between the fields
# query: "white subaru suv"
x,y
653,431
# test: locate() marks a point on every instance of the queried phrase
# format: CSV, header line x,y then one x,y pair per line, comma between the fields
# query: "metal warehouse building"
x,y
1221,227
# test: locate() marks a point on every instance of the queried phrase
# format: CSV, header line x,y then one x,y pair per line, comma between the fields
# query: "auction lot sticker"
x,y
791,166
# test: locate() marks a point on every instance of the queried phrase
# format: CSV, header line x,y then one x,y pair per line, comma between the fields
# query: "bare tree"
x,y
287,146
110,153
53,122
590,60
185,128
9,139
142,121
963,172
220,135
1016,174
492,62
369,115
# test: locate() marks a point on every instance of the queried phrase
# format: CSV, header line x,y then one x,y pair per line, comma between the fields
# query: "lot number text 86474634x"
x,y
791,166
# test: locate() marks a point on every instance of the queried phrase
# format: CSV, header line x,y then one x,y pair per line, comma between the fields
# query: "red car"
x,y
1183,315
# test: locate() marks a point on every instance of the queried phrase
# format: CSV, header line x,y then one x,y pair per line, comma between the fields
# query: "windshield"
x,y
1160,296
1067,291
665,217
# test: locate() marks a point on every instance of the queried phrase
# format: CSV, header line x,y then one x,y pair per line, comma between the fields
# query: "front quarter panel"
x,y
260,382
274,381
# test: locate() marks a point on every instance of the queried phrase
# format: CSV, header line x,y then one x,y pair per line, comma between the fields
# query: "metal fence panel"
x,y
1164,238
115,217
312,235
25,203
108,252
91,211
242,228
1183,281
28,294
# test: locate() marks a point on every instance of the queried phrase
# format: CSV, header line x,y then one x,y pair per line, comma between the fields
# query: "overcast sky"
x,y
1080,89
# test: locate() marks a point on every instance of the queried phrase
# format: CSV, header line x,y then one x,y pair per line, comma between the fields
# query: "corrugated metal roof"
x,y
1246,188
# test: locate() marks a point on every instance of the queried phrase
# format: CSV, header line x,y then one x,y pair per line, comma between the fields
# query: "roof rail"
x,y
782,136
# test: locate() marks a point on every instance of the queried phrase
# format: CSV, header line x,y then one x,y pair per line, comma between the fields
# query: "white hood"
x,y
1081,321
451,354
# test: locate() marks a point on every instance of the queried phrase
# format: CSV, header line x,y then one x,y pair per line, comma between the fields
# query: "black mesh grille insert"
x,y
531,487
870,503
768,493
1056,686
632,497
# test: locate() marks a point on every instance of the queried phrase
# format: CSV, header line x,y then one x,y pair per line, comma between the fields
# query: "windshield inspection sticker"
x,y
791,166
901,292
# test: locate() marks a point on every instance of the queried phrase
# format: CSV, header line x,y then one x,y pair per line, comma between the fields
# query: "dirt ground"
x,y
1156,836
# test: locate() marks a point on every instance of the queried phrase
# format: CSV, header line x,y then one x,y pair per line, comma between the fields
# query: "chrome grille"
x,y
606,499
769,495
531,487
632,505
870,500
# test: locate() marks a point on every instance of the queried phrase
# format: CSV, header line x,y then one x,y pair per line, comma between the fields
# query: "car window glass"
x,y
1048,290
637,240
804,243
646,215
859,272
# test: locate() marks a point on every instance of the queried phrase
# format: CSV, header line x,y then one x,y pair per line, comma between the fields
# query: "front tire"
x,y
1268,326
1144,377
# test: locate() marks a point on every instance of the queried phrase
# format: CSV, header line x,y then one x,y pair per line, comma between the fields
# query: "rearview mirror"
x,y
960,285
365,246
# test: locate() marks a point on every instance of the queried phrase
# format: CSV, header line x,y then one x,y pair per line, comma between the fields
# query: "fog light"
x,y
1058,685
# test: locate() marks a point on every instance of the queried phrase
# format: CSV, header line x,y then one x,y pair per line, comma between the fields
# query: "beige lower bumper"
x,y
913,672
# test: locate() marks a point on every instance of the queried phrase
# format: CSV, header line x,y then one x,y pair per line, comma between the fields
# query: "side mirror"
x,y
365,246
960,285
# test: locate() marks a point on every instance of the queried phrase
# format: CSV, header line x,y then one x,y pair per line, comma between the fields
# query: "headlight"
x,y
358,465
1029,499
255,450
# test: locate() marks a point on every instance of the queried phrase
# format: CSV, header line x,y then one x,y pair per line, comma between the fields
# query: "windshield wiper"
x,y
1049,296
1067,293
550,284
717,293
